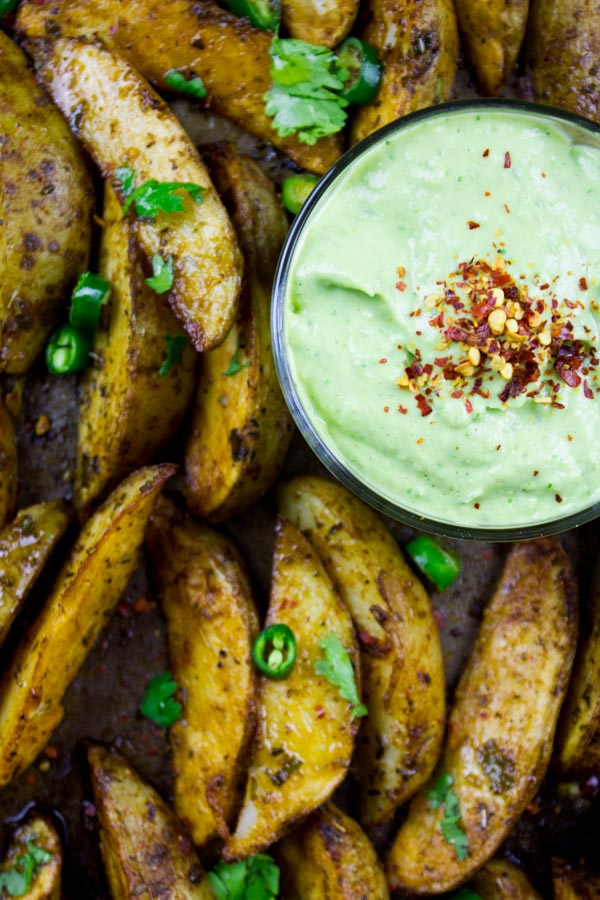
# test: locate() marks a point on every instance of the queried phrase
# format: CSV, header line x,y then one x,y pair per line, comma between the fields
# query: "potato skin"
x,y
500,880
46,881
417,41
502,724
8,465
573,884
321,22
241,427
211,625
45,223
492,33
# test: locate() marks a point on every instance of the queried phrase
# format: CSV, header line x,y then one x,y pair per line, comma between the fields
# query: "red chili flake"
x,y
499,447
142,605
544,286
31,778
468,406
476,505
383,359
486,152
536,472
51,752
558,498
506,209
124,609
441,361
400,286
457,394
386,409
423,405
544,175
402,409
507,160
587,390
473,224
487,194
569,437
583,284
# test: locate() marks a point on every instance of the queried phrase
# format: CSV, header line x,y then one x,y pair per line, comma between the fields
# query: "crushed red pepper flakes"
x,y
558,498
383,360
507,160
473,224
583,284
400,285
486,152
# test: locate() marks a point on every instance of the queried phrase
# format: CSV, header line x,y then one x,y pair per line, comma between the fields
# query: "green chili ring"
x,y
440,565
88,297
68,350
274,651
264,14
361,61
295,190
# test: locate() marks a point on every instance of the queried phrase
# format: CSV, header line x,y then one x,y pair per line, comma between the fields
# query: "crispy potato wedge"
x,y
500,880
25,545
121,121
492,34
402,666
563,48
46,878
241,428
211,625
8,465
573,884
417,41
329,857
502,724
128,410
147,854
321,22
230,56
306,731
79,606
45,225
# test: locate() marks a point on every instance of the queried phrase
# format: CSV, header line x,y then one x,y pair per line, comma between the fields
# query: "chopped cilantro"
x,y
192,87
453,833
162,274
437,794
153,197
158,703
255,878
337,668
235,365
126,178
16,881
175,347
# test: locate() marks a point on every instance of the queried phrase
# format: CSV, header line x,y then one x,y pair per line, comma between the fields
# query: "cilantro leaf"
x,y
175,347
235,365
16,881
162,274
158,703
256,878
39,855
438,793
452,831
454,834
126,178
164,196
337,668
194,87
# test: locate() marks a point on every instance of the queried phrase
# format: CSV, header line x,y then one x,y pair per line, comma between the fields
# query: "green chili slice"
x,y
361,61
191,87
274,651
265,14
440,565
90,293
296,190
68,350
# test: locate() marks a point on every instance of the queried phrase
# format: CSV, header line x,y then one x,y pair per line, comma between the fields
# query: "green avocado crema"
x,y
435,406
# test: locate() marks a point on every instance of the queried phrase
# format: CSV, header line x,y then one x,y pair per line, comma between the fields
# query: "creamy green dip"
x,y
379,278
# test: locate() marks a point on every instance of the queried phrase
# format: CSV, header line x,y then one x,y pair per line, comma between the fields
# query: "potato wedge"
x,y
156,36
211,625
241,427
45,226
121,121
8,465
37,833
321,22
502,724
79,606
128,410
25,545
492,34
146,852
417,41
563,48
402,665
500,880
573,884
329,857
306,730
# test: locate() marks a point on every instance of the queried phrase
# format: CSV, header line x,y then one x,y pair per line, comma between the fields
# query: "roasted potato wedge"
x,y
573,884
8,465
502,724
37,834
500,880
306,730
563,48
402,666
417,41
128,409
211,625
79,606
121,121
45,223
329,857
230,56
321,22
25,545
146,852
492,34
241,427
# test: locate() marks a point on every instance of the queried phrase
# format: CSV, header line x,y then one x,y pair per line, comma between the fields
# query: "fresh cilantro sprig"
x,y
153,197
175,347
125,175
162,274
158,704
452,831
255,878
235,365
337,668
16,881
192,87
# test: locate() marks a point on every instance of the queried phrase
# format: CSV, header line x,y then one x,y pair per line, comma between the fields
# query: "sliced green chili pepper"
x,y
296,190
90,293
68,350
265,14
440,565
361,61
191,87
274,651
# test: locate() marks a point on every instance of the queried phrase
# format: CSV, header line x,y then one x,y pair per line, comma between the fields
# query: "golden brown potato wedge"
x,y
37,834
8,465
502,724
25,545
147,854
122,122
211,625
417,41
79,606
492,34
321,22
402,666
128,410
573,884
563,48
45,224
156,36
500,880
241,427
306,730
329,857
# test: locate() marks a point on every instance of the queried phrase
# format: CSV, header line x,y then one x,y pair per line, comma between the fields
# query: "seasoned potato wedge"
x,y
123,122
128,410
37,834
321,22
156,36
573,884
329,857
241,427
211,625
492,34
418,45
25,545
45,223
563,48
306,730
402,665
146,852
8,465
80,604
503,720
500,880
